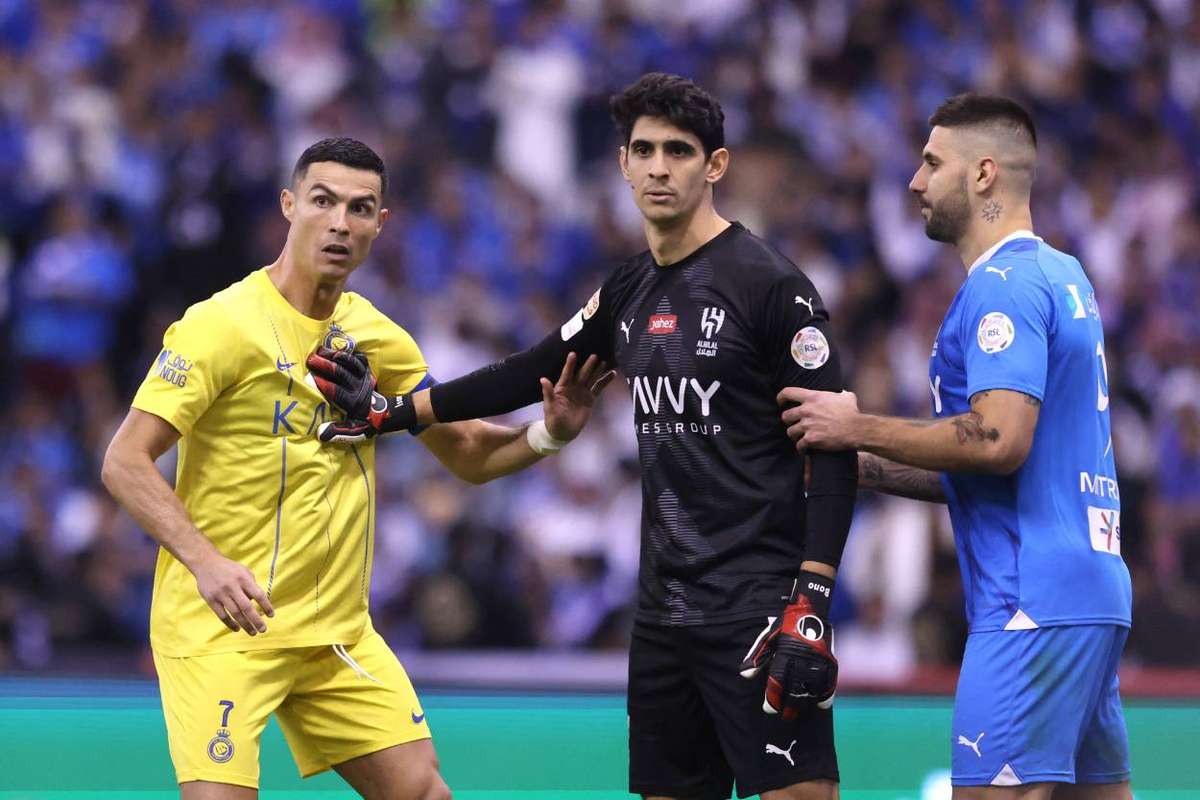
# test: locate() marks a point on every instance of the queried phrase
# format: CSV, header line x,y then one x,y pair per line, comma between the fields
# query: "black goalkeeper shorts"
x,y
696,725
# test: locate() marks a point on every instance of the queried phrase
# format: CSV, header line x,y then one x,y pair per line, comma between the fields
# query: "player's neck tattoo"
x,y
991,210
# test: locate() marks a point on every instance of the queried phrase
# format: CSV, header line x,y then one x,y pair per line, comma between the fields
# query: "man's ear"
x,y
623,162
287,204
986,172
383,215
718,162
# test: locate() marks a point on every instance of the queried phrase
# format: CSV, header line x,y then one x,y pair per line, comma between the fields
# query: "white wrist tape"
x,y
541,441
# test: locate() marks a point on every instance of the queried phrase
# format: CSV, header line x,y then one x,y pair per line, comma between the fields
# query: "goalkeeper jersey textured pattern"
x,y
705,345
251,473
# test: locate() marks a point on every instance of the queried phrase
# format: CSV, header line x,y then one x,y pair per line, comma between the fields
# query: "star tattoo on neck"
x,y
991,210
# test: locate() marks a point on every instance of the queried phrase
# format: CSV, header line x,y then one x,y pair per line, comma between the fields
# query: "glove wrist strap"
x,y
390,414
817,588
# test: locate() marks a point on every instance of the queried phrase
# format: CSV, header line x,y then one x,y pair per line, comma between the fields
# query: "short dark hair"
x,y
983,109
342,150
675,98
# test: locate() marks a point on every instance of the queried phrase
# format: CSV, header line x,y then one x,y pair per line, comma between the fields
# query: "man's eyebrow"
x,y
318,186
669,141
365,197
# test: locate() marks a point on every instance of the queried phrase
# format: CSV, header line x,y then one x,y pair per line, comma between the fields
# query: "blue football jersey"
x,y
1042,546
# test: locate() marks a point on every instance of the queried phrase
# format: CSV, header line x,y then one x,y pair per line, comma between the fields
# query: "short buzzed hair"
x,y
970,109
342,150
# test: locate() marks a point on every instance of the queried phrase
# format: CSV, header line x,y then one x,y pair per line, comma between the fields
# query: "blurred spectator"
x,y
142,147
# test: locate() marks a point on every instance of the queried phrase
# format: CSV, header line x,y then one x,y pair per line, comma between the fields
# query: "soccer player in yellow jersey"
x,y
265,522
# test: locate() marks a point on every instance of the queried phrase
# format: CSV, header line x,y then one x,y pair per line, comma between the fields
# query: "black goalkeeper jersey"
x,y
705,345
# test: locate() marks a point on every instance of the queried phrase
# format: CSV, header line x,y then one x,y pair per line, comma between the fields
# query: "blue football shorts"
x,y
1040,705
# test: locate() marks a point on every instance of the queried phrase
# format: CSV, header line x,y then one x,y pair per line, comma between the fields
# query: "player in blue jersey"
x,y
1021,450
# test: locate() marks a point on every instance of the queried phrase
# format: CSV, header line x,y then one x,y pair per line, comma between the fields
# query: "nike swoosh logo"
x,y
418,718
282,365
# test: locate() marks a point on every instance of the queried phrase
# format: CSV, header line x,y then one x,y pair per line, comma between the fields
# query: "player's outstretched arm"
x,y
478,452
130,476
889,477
993,437
507,385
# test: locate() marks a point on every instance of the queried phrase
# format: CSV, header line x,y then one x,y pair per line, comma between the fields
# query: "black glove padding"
x,y
386,414
345,378
798,647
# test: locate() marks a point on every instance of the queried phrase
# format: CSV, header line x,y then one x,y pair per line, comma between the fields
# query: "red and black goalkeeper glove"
x,y
797,649
344,378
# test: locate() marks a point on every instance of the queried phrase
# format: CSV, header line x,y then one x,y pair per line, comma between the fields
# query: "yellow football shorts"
x,y
334,703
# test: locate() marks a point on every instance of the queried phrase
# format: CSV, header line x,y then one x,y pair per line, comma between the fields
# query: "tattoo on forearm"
x,y
902,480
970,428
991,210
871,471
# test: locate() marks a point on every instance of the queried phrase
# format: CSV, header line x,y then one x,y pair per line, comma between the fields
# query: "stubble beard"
x,y
948,220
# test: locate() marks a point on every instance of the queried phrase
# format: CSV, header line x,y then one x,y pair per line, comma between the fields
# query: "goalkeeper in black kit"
x,y
737,559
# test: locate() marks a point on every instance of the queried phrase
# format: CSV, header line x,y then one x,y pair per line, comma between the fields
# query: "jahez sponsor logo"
x,y
662,323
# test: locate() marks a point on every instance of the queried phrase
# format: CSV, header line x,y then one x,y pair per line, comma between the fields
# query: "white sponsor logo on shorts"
x,y
773,750
965,742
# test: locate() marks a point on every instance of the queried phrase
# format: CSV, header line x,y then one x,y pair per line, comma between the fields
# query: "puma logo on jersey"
x,y
1003,273
809,302
626,327
965,742
775,751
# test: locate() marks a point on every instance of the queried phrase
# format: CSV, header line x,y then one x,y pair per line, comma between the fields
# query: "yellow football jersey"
x,y
251,473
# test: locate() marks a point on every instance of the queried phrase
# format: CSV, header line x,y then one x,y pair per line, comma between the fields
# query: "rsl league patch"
x,y
810,348
593,305
338,339
996,332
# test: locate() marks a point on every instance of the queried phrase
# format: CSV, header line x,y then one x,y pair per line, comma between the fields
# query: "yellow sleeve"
x,y
197,362
399,365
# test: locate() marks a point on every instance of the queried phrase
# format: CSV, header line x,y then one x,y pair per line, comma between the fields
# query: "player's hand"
x,y
820,420
797,651
567,404
344,378
231,592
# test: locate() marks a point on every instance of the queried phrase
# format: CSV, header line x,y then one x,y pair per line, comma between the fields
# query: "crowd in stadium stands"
x,y
143,146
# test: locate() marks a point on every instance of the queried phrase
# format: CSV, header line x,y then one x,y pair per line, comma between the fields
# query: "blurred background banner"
x,y
143,145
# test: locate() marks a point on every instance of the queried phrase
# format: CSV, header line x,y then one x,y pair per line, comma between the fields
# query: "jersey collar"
x,y
991,251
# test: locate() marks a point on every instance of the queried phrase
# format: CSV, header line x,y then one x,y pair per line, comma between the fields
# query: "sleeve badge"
x,y
810,349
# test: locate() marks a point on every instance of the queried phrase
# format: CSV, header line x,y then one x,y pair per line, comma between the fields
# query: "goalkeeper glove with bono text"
x,y
344,378
797,649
